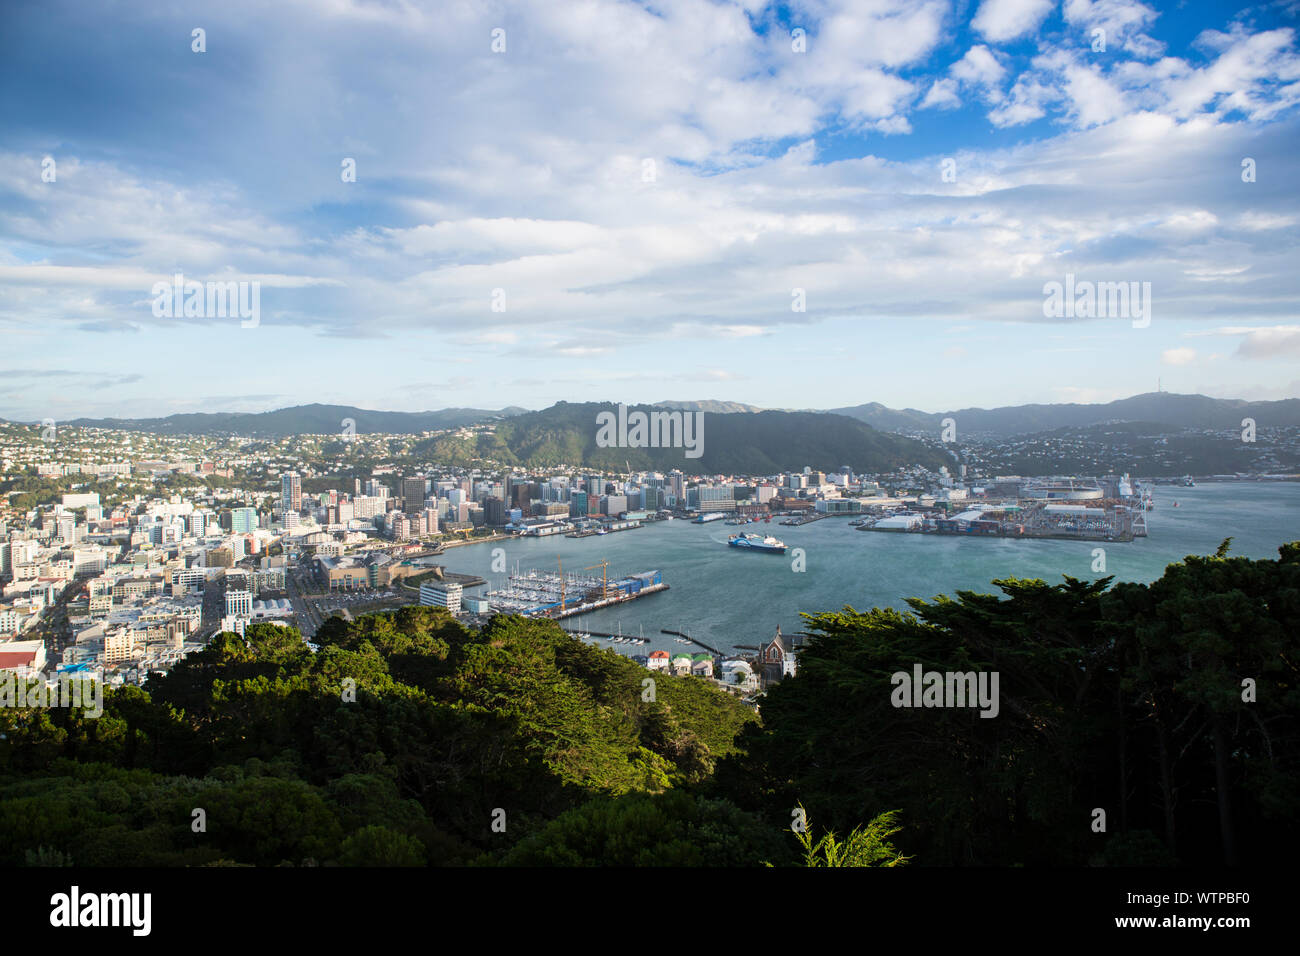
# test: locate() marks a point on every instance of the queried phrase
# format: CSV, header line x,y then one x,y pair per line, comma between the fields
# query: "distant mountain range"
x,y
756,444
1160,408
302,420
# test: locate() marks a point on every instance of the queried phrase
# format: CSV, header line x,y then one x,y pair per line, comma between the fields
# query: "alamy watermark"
x,y
637,429
946,689
75,908
209,300
1098,300
84,692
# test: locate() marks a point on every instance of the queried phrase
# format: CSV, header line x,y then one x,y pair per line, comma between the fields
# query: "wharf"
x,y
693,640
621,598
803,519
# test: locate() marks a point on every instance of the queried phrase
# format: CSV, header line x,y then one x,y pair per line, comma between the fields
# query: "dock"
x,y
536,593
803,519
693,640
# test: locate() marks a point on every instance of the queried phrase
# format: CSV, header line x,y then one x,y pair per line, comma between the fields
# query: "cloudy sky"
x,y
640,189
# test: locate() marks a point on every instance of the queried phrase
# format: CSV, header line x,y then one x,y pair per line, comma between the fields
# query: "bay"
x,y
727,597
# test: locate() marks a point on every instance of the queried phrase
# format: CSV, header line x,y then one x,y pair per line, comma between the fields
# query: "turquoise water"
x,y
726,597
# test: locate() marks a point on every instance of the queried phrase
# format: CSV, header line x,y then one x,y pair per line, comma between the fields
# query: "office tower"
x,y
243,520
413,490
577,505
291,492
239,603
677,485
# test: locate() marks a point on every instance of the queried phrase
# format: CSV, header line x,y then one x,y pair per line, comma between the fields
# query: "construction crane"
x,y
604,577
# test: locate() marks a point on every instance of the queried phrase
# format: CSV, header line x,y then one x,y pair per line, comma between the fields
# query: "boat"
x,y
757,542
1187,482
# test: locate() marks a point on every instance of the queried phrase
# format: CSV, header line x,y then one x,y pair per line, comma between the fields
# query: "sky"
x,y
591,200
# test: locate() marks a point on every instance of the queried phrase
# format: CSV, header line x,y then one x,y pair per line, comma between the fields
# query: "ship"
x,y
1187,482
757,542
709,516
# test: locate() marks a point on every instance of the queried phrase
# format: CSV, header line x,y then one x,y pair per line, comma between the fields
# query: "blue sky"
x,y
774,169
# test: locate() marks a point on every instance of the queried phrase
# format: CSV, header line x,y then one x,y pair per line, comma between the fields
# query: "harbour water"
x,y
728,597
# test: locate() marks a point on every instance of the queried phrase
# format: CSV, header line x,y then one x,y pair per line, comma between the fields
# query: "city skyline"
x,y
653,193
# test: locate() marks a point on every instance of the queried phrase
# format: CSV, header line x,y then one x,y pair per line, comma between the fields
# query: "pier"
x,y
693,640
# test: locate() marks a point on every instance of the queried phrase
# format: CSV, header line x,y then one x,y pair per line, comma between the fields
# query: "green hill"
x,y
757,443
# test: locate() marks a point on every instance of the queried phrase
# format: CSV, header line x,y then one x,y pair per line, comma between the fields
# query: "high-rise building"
x,y
413,490
716,498
239,603
291,491
243,520
367,506
577,505
494,512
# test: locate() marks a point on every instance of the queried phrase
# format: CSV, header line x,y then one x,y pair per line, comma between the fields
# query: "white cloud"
x,y
942,95
1261,342
1001,20
1180,356
981,69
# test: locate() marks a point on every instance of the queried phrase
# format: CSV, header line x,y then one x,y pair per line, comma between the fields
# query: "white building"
x,y
239,603
446,595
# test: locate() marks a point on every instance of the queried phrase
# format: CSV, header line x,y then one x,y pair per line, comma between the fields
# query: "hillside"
x,y
759,443
1162,408
300,420
446,726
